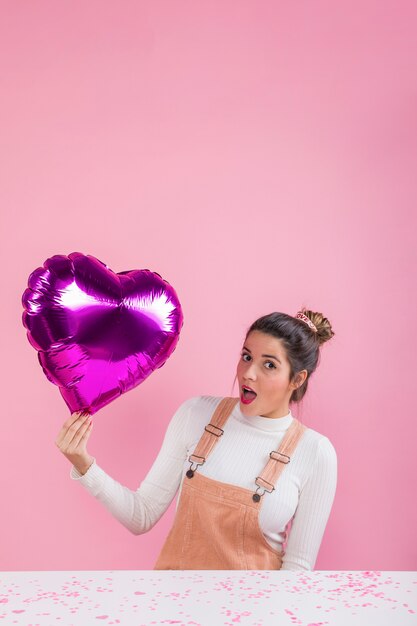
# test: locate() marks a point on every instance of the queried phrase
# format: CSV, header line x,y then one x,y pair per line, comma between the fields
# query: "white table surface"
x,y
208,597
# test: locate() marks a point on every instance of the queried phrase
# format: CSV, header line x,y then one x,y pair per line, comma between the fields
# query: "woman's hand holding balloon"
x,y
72,440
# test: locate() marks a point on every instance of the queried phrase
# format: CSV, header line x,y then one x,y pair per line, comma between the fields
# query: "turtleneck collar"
x,y
263,423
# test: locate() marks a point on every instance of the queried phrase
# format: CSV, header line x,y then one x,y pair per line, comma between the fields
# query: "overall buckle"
x,y
190,472
271,454
216,427
256,496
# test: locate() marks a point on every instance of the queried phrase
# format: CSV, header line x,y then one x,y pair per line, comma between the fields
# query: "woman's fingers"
x,y
80,437
70,429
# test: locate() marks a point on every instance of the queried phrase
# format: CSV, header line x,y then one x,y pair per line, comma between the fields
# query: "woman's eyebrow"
x,y
271,356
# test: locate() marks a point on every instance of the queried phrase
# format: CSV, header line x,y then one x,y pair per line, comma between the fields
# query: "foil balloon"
x,y
99,334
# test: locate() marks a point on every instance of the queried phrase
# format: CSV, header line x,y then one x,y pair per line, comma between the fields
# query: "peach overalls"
x,y
216,524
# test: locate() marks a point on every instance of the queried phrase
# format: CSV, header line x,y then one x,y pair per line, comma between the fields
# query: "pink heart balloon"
x,y
99,334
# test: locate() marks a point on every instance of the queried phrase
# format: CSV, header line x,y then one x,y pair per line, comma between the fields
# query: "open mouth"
x,y
247,395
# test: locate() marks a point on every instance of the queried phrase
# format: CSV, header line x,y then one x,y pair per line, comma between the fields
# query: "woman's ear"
x,y
299,378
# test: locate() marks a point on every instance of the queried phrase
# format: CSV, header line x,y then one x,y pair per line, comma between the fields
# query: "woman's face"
x,y
263,366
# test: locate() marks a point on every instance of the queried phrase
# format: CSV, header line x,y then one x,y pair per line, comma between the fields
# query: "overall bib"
x,y
216,524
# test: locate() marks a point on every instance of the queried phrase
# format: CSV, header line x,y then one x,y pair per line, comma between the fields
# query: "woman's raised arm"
x,y
140,510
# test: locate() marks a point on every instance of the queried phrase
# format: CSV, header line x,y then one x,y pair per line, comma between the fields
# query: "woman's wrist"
x,y
83,468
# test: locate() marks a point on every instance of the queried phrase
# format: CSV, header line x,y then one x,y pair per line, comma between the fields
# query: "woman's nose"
x,y
250,371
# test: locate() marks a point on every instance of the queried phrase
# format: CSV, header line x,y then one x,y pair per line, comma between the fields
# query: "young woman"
x,y
247,470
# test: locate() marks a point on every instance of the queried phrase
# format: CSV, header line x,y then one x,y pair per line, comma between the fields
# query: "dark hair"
x,y
300,342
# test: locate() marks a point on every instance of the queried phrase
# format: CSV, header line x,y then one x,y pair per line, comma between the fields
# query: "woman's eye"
x,y
268,368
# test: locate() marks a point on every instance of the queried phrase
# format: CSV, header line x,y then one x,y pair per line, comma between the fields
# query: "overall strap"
x,y
279,459
212,431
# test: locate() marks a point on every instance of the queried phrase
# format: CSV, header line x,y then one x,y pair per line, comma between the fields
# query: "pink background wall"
x,y
260,156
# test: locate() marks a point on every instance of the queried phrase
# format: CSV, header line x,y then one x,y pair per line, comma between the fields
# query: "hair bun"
x,y
324,328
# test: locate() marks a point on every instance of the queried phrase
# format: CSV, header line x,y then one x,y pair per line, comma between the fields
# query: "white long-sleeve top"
x,y
303,495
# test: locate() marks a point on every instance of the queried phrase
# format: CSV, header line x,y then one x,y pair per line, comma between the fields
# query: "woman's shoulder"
x,y
318,456
320,442
199,409
194,413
